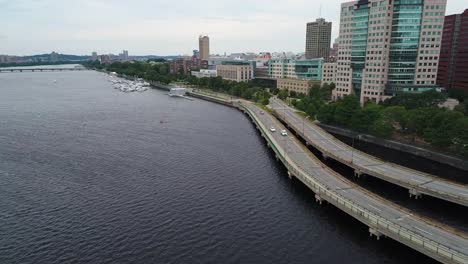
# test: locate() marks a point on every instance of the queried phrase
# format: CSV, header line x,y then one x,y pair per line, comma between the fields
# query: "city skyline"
x,y
161,28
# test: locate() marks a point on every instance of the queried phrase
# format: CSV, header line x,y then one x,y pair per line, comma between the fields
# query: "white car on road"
x,y
284,133
272,129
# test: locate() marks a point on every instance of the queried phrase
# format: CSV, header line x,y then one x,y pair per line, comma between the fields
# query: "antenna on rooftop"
x,y
320,11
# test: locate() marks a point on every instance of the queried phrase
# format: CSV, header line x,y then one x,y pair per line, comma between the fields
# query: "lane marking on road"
x,y
341,189
426,182
402,217
418,181
375,208
422,230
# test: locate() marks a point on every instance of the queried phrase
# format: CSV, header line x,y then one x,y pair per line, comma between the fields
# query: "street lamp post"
x,y
284,114
303,120
352,149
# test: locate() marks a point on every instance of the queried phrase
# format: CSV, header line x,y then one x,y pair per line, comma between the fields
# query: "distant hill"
x,y
60,57
171,57
53,59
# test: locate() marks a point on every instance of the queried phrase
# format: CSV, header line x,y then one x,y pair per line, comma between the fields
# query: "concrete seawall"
x,y
211,99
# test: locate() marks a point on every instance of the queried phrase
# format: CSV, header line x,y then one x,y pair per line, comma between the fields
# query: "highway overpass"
x,y
415,181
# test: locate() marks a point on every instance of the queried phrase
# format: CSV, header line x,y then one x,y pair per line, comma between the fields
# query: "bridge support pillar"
x,y
415,193
318,199
357,173
290,175
276,156
307,143
325,157
374,232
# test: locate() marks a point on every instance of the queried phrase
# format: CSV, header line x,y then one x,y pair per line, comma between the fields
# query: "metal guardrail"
x,y
403,235
422,189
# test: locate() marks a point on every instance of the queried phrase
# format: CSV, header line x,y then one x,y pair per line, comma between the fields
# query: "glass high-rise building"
x,y
388,47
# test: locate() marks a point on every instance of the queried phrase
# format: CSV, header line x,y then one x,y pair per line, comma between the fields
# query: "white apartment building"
x,y
204,73
329,73
235,72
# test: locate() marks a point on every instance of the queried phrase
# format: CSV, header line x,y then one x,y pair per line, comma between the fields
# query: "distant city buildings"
x,y
94,56
333,52
296,75
216,60
453,63
124,56
8,59
203,73
296,85
318,37
264,55
261,72
204,47
296,69
388,47
187,65
238,71
196,54
329,73
105,59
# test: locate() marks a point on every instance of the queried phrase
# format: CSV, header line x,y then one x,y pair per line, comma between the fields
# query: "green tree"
x,y
326,91
326,114
314,91
397,114
275,91
441,127
462,107
459,136
345,109
418,119
365,117
311,110
283,94
413,100
382,127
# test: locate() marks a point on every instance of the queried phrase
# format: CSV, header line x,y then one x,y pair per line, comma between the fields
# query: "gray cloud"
x,y
163,27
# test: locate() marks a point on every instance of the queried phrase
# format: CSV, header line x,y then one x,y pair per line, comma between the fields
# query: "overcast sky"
x,y
162,27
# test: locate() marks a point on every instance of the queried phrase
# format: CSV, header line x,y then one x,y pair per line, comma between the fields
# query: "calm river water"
x,y
89,174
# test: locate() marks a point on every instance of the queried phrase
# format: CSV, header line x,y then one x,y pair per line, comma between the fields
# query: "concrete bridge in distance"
x,y
383,217
416,182
45,69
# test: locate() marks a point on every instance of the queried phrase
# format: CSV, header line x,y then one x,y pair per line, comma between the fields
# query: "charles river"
x,y
89,174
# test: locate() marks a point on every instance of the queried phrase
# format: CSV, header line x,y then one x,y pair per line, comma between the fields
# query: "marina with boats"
x,y
128,85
